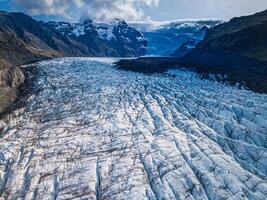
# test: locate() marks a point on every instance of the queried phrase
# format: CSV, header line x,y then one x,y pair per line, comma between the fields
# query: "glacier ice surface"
x,y
90,131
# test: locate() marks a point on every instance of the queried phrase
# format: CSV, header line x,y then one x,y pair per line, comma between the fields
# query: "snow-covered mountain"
x,y
116,38
164,38
35,40
138,38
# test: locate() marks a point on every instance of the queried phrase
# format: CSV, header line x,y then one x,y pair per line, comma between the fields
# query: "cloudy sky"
x,y
134,10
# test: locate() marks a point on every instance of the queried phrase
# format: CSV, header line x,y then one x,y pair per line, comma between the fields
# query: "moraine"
x,y
91,131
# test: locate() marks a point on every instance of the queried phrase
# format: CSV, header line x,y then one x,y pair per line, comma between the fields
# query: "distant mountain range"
x,y
115,39
23,39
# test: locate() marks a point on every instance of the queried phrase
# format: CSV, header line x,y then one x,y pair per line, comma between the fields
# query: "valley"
x,y
112,110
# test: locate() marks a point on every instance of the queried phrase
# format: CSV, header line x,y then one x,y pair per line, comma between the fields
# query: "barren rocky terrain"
x,y
10,79
91,131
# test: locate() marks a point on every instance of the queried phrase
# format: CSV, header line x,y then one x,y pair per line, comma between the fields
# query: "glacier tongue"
x,y
91,131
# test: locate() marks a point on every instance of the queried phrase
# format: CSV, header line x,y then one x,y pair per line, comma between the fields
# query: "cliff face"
x,y
10,79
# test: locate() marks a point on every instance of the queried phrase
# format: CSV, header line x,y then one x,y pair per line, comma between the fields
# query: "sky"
x,y
134,10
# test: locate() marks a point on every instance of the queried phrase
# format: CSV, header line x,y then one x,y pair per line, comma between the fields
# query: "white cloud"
x,y
95,9
216,9
134,10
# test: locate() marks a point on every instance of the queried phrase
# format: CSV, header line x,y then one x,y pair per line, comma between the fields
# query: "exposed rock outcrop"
x,y
10,79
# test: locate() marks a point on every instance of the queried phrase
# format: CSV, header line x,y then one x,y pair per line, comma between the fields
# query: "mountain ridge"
x,y
43,40
242,36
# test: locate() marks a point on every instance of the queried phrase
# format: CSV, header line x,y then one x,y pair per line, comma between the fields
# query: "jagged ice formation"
x,y
90,131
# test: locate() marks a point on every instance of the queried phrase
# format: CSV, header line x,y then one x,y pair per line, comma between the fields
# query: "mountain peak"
x,y
119,21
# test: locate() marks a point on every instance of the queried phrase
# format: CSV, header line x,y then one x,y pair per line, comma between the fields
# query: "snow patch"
x,y
78,30
106,32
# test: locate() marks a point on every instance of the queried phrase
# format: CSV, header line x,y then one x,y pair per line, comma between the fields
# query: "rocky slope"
x,y
242,36
23,39
10,79
239,45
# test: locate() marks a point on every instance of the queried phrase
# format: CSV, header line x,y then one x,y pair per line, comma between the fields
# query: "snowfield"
x,y
90,131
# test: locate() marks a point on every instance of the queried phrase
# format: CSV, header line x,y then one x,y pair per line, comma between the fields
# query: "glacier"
x,y
90,131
